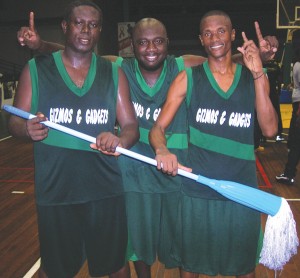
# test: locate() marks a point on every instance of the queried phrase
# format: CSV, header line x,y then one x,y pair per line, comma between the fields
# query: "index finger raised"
x,y
258,31
244,37
31,21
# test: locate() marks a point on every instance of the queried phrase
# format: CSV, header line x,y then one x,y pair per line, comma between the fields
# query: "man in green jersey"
x,y
79,191
214,235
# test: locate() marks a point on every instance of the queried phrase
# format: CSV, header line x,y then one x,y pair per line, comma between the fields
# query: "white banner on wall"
x,y
124,39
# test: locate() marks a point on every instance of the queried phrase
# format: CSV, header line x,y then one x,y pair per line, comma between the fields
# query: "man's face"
x,y
150,45
216,35
83,29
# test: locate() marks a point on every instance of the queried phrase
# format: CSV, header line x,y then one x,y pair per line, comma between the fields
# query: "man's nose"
x,y
151,45
85,28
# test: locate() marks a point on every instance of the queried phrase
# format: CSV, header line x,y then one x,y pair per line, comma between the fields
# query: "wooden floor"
x,y
19,248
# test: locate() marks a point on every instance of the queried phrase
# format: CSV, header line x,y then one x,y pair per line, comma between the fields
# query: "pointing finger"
x,y
31,21
244,37
258,32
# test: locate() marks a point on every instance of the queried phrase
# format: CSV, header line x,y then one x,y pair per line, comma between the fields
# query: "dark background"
x,y
181,18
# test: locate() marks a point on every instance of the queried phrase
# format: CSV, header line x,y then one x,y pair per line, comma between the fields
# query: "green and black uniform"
x,y
152,197
216,235
79,190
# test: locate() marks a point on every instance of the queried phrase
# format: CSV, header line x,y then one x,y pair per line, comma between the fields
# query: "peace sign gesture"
x,y
268,45
28,35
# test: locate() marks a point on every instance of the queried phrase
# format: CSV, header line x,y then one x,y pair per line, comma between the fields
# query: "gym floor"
x,y
19,247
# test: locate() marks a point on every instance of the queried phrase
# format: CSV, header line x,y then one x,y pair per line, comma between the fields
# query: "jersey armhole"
x,y
34,84
115,68
180,63
189,85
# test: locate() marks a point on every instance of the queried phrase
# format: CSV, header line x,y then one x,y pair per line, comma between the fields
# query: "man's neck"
x,y
76,60
223,65
151,77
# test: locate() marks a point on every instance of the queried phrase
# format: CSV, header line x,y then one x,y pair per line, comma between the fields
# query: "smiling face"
x,y
150,44
82,29
216,35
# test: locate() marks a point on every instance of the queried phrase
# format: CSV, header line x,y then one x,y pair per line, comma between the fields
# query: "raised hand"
x,y
27,35
268,45
251,56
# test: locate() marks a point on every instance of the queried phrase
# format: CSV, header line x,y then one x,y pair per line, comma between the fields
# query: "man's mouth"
x,y
151,58
218,46
84,41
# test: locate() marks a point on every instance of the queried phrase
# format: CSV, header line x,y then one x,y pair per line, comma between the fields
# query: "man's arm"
x,y
266,114
166,161
126,116
106,142
30,130
29,36
193,60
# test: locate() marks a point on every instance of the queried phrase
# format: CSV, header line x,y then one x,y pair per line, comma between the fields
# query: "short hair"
x,y
71,6
212,13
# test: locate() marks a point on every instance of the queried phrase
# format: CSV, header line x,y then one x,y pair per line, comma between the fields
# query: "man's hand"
x,y
106,142
268,45
251,56
35,129
28,35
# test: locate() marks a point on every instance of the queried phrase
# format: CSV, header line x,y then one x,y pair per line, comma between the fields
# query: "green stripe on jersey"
x,y
174,141
59,139
221,145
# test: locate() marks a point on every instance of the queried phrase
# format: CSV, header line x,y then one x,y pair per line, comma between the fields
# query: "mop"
x,y
280,238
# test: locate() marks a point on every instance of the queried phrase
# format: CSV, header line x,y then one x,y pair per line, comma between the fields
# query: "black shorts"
x,y
69,234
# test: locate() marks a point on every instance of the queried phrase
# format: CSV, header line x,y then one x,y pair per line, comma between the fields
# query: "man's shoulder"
x,y
43,56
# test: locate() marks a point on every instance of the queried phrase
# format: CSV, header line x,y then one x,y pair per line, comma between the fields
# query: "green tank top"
x,y
138,176
66,169
221,130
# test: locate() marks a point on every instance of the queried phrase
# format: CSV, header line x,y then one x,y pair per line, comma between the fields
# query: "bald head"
x,y
150,44
148,24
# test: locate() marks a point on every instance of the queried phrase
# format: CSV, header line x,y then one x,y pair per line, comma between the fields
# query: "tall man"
x,y
79,192
215,235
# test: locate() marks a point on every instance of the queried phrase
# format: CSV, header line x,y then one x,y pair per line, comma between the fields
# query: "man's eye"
x,y
158,42
143,43
93,25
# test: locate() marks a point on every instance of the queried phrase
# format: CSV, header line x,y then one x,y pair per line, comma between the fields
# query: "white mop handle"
x,y
26,115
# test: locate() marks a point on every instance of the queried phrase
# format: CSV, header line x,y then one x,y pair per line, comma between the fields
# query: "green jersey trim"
x,y
180,63
69,82
190,84
59,139
150,91
174,141
221,145
119,61
35,86
115,74
213,82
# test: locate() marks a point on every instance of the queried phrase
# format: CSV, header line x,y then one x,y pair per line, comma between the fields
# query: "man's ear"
x,y
200,38
64,26
131,44
232,34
